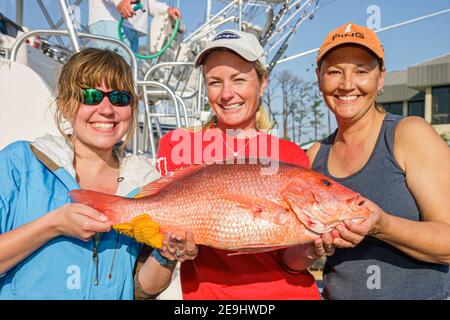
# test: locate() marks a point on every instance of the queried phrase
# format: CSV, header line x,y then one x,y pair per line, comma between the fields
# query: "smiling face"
x,y
101,126
234,89
349,79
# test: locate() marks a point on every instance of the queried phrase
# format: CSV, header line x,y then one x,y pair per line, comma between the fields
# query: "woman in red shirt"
x,y
235,74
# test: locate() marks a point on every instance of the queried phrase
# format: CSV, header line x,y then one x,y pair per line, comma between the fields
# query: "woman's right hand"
x,y
77,220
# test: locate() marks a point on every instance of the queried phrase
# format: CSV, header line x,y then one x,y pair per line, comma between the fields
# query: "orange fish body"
x,y
243,207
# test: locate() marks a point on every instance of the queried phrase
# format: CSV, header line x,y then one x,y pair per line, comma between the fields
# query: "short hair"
x,y
89,68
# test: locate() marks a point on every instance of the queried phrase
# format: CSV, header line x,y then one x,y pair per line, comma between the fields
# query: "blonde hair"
x,y
90,68
262,118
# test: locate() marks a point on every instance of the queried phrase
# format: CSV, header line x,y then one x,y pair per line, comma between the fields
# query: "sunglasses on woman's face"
x,y
118,98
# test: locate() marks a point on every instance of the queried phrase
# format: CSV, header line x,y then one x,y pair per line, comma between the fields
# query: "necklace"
x,y
236,153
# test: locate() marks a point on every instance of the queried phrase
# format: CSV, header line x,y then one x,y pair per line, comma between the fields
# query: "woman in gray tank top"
x,y
402,251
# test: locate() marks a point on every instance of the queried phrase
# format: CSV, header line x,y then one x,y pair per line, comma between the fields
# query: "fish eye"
x,y
326,182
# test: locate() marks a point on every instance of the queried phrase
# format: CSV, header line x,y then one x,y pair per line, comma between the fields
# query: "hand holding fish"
x,y
179,248
351,233
77,220
324,245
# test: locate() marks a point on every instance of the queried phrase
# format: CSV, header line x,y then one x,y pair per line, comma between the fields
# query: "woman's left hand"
x,y
179,248
352,233
324,245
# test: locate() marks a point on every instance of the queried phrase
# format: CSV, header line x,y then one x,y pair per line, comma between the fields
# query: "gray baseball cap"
x,y
243,43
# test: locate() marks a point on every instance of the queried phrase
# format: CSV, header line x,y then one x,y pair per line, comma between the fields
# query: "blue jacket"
x,y
35,179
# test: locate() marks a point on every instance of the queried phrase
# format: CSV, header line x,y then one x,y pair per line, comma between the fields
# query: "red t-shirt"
x,y
213,274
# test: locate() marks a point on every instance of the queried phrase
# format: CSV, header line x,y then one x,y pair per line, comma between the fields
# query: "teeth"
x,y
347,98
233,106
102,125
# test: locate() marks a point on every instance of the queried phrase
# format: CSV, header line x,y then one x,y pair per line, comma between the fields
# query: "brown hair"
x,y
262,117
88,69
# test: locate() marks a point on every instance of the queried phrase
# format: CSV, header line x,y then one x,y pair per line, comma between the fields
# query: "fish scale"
x,y
238,206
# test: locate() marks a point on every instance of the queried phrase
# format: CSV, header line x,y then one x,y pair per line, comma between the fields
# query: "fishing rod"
x,y
270,30
285,39
137,7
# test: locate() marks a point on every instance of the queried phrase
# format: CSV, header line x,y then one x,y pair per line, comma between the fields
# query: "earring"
x,y
320,93
380,91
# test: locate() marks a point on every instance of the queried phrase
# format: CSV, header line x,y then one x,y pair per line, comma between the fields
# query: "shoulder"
x,y
412,131
17,146
14,162
411,125
312,151
16,152
416,138
290,152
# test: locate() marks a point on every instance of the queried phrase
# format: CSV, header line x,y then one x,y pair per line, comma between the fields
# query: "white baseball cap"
x,y
243,43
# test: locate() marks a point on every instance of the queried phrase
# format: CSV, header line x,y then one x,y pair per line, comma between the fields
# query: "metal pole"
x,y
69,25
50,21
24,36
19,12
240,15
230,5
208,10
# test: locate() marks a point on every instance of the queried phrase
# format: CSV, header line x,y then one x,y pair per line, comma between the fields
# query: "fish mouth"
x,y
310,216
311,222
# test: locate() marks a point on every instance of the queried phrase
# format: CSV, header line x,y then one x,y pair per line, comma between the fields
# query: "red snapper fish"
x,y
239,207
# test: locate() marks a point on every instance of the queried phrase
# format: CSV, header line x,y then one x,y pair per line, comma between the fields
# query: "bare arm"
x,y
74,220
153,278
425,159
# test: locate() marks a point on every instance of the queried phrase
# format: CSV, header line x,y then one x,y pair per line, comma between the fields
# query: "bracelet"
x,y
163,261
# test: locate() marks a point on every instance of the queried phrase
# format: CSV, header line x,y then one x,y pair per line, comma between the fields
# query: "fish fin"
x,y
302,203
156,186
105,203
260,208
256,249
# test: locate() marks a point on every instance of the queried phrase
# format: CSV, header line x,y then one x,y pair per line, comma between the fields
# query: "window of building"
x,y
394,108
440,105
416,108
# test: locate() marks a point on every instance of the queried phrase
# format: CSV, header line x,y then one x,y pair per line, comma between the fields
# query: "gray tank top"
x,y
375,269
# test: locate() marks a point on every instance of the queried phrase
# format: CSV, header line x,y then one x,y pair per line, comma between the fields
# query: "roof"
x,y
438,60
396,77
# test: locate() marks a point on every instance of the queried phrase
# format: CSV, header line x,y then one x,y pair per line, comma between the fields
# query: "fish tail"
x,y
113,207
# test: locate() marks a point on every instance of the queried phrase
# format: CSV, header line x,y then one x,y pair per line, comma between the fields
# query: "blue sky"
x,y
404,46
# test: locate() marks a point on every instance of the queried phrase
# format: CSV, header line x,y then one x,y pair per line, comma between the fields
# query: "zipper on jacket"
x,y
114,256
95,257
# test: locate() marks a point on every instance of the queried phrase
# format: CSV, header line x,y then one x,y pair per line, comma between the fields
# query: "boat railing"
x,y
23,37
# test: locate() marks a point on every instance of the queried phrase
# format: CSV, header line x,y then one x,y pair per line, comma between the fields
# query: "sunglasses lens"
x,y
92,97
120,98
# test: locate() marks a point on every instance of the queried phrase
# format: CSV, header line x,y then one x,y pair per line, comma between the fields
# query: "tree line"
x,y
296,107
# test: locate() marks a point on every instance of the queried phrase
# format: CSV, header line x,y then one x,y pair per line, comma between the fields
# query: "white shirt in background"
x,y
100,10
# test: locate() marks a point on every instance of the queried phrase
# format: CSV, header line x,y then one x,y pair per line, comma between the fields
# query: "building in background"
x,y
422,90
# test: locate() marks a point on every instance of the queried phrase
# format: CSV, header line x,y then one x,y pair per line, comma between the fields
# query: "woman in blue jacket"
x,y
51,248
